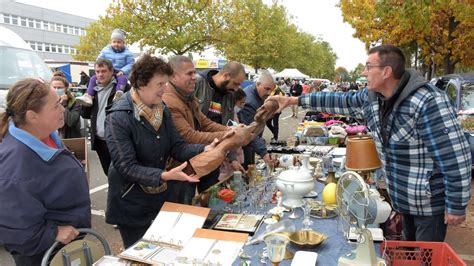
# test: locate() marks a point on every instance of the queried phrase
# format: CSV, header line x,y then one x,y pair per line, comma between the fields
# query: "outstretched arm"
x,y
283,101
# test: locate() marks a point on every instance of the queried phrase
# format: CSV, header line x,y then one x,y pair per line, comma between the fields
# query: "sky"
x,y
320,18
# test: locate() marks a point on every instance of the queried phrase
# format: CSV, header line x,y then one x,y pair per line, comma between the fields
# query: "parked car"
x,y
17,61
460,90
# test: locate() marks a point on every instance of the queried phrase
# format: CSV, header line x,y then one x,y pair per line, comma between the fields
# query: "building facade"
x,y
50,33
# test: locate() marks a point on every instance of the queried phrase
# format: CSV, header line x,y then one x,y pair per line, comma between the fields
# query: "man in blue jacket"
x,y
256,95
425,155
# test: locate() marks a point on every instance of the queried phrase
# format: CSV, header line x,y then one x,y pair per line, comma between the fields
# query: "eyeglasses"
x,y
368,67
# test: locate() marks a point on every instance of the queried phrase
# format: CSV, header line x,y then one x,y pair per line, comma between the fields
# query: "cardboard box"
x,y
79,147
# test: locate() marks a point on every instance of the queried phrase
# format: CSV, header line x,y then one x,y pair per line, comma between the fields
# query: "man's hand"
x,y
66,234
451,219
212,145
178,174
63,99
120,73
237,166
283,101
267,159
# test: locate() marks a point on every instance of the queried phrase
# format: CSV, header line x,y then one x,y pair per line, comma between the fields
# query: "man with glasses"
x,y
256,95
426,158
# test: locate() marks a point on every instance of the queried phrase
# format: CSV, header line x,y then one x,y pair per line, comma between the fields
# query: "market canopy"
x,y
291,73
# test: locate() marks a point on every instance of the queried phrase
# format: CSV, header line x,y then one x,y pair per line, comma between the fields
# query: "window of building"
x,y
37,24
14,20
83,32
73,50
60,49
54,48
67,49
65,28
47,47
7,19
31,23
23,22
33,45
58,27
76,31
39,46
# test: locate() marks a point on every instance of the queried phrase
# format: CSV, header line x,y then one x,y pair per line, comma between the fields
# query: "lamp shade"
x,y
361,154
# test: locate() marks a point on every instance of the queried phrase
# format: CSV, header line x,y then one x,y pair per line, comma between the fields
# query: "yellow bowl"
x,y
306,239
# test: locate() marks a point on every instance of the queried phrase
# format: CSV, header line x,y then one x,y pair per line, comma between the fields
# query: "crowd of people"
x,y
149,117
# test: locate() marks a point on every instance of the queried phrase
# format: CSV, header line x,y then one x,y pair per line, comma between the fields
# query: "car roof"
x,y
463,77
10,39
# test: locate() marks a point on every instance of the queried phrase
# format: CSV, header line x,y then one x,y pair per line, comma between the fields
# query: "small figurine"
x,y
279,196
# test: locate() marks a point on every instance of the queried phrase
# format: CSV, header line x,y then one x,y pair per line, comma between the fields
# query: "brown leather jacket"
x,y
190,122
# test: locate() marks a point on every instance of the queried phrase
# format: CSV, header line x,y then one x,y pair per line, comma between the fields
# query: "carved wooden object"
x,y
205,162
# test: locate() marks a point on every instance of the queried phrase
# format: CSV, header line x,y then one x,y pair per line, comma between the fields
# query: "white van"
x,y
17,61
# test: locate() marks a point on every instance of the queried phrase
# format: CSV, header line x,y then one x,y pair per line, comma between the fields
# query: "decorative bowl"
x,y
306,239
295,184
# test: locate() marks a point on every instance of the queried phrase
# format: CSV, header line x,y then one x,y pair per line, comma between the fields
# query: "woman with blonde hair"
x,y
44,195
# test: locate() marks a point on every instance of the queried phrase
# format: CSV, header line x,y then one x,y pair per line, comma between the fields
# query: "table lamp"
x,y
362,156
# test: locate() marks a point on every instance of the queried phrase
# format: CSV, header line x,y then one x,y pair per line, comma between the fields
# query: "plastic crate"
x,y
419,253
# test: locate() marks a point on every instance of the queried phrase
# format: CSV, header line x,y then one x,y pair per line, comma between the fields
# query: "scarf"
x,y
154,115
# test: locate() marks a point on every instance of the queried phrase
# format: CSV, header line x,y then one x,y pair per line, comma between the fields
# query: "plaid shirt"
x,y
426,159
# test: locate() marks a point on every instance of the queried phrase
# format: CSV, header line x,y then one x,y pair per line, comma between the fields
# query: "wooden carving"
x,y
207,161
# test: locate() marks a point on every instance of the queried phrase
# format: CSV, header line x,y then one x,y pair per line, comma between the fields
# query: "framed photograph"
x,y
246,223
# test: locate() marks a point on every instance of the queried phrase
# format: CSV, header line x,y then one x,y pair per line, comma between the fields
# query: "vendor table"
x,y
328,252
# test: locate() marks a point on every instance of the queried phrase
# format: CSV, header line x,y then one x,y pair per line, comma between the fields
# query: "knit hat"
x,y
118,34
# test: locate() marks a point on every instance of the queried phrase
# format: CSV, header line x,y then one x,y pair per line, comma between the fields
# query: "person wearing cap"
x,y
122,60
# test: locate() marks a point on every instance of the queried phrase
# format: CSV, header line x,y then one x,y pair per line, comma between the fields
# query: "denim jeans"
x,y
424,228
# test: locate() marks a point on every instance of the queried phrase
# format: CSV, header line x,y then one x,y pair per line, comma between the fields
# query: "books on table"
x,y
211,247
171,230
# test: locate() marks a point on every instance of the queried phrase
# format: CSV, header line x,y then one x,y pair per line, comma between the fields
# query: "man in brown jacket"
x,y
191,123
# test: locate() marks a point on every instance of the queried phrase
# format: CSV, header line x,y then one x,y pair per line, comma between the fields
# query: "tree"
x,y
254,33
438,32
342,75
247,31
176,27
356,72
262,36
98,36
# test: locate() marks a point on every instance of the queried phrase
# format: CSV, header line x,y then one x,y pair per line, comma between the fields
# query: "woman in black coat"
x,y
72,110
141,136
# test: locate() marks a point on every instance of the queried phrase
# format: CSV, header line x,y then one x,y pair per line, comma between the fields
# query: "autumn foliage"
x,y
438,35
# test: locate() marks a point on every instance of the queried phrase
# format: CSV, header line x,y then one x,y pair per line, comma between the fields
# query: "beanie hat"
x,y
118,34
